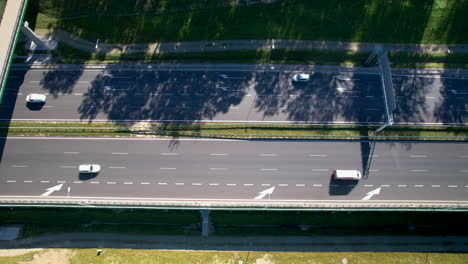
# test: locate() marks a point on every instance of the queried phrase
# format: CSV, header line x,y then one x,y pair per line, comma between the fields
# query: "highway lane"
x,y
223,95
234,169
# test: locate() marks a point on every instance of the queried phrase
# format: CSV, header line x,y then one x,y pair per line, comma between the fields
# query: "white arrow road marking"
x,y
264,193
372,193
52,189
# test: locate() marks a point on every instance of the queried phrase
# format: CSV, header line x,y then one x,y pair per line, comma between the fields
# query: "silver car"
x,y
302,77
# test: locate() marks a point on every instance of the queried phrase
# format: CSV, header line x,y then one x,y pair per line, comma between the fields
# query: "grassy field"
x,y
232,131
130,21
135,256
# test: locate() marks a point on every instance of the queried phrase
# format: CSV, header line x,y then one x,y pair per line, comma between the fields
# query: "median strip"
x,y
233,131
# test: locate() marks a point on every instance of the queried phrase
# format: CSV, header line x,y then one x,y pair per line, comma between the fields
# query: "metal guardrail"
x,y
239,204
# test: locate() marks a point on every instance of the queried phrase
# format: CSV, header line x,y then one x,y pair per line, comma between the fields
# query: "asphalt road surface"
x,y
233,169
241,94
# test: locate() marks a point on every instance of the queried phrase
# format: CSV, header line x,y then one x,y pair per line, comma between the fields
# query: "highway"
x,y
198,169
240,93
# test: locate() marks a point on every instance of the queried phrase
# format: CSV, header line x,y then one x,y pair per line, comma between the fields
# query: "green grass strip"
x,y
228,130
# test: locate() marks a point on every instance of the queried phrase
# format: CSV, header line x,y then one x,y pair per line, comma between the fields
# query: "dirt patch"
x,y
17,252
53,256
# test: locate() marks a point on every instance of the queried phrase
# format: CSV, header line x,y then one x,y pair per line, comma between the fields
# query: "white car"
x,y
36,98
89,168
302,77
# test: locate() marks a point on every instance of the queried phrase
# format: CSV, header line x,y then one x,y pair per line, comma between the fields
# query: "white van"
x,y
346,175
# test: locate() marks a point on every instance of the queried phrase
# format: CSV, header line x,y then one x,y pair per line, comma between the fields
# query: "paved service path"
x,y
221,45
285,244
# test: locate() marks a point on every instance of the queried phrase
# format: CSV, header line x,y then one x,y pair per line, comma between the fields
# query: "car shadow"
x,y
87,176
35,106
341,187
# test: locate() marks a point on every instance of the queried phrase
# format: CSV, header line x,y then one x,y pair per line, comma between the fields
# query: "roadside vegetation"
x,y
137,256
2,8
232,130
397,21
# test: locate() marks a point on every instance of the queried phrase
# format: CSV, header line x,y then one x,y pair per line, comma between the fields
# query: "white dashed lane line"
x,y
231,184
144,183
453,186
94,182
10,181
368,185
435,185
71,152
248,184
213,184
268,169
19,166
68,167
402,185
119,153
319,169
27,181
266,184
78,182
283,185
117,167
219,154
418,170
111,182
128,183
196,183
168,154
162,183
167,168
318,155
418,185
300,185
219,169
268,155
45,181
418,156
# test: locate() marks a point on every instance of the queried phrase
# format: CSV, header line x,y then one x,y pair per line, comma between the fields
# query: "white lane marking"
x,y
463,156
368,185
435,185
83,81
464,171
19,166
268,169
374,170
45,181
78,94
419,185
266,184
300,185
268,155
111,182
162,183
218,154
219,169
385,185
213,184
418,170
430,97
10,181
248,184
453,186
144,183
317,155
93,182
71,152
318,185
128,182
179,183
27,181
47,106
283,184
119,153
418,156
117,167
196,183
68,167
402,185
168,154
34,81
167,168
77,182
61,182
231,184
